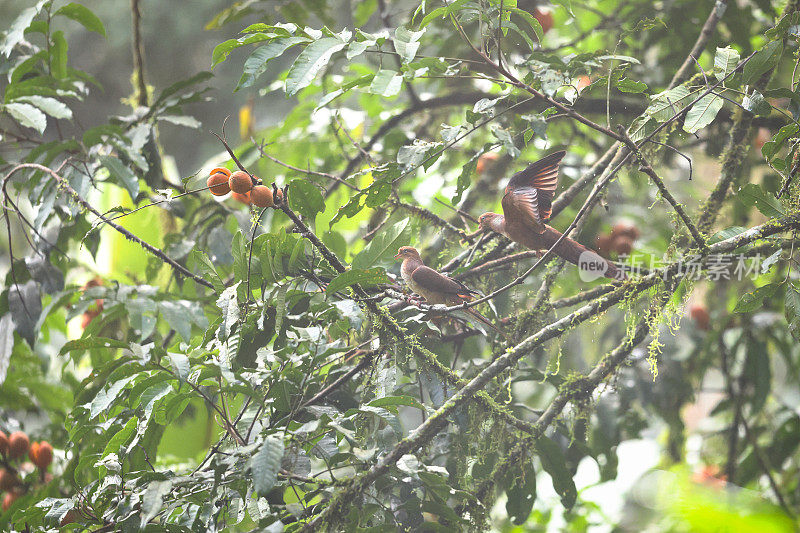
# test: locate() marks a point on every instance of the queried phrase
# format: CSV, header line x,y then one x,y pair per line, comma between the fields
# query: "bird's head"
x,y
407,252
490,221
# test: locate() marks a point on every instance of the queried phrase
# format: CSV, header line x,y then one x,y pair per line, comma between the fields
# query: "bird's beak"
x,y
397,255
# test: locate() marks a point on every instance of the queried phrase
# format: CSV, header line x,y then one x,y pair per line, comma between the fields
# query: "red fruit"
x,y
43,456
7,480
218,184
9,500
545,18
3,443
625,229
485,162
261,195
18,445
699,313
240,182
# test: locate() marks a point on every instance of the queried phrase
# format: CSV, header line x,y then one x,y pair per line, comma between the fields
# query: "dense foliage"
x,y
199,363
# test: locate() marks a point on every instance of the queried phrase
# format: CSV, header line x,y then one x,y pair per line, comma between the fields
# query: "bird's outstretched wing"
x,y
433,281
529,194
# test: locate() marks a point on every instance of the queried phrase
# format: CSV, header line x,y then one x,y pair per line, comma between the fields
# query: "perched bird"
x,y
436,288
526,211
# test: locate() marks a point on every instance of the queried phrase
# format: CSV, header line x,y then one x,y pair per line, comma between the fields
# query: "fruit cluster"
x,y
619,241
221,181
13,448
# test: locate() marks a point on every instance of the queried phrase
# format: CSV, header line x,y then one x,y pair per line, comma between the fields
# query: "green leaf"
x,y
406,43
27,115
668,103
16,32
153,499
631,86
372,276
532,22
120,437
180,365
792,310
725,61
555,464
6,344
753,195
702,113
223,49
521,494
91,343
309,62
751,301
229,305
207,269
758,372
51,106
397,400
84,16
772,146
441,12
725,234
386,83
641,127
383,245
257,63
265,465
180,85
121,175
58,55
465,178
757,104
305,198
766,58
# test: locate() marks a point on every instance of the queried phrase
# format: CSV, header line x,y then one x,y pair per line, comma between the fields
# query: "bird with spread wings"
x,y
527,205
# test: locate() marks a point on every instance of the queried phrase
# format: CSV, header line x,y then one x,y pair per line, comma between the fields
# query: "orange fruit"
x,y
243,198
44,455
32,451
220,170
261,195
240,182
218,184
18,444
279,197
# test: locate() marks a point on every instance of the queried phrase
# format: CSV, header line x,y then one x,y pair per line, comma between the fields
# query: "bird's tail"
x,y
480,317
589,261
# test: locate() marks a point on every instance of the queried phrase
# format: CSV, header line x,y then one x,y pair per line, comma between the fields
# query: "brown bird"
x,y
526,211
436,288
